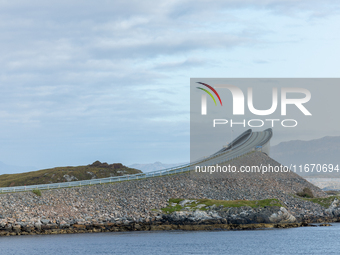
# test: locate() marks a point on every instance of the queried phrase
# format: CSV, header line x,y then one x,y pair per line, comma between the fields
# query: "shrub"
x,y
306,193
37,192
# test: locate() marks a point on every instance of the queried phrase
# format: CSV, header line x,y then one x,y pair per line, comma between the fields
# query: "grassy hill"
x,y
65,174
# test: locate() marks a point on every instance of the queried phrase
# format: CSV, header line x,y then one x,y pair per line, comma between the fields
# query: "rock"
x,y
64,224
186,201
334,208
45,221
79,226
37,225
189,215
70,178
212,207
200,206
282,216
325,225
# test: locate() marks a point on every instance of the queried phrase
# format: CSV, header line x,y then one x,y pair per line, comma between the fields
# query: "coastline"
x,y
217,218
157,225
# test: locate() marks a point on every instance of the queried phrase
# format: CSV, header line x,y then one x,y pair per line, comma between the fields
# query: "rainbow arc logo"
x,y
209,93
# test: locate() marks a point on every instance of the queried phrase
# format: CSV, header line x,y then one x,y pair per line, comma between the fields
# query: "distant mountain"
x,y
325,150
154,166
10,169
325,183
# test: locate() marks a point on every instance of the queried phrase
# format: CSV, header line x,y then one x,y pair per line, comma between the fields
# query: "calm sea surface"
x,y
308,240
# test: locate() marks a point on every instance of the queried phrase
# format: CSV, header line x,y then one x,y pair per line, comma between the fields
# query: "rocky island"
x,y
180,201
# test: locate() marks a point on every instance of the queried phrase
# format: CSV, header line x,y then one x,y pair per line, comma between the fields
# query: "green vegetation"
x,y
306,193
323,201
202,204
64,174
37,192
171,209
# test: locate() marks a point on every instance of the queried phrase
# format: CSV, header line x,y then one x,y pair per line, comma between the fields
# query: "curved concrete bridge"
x,y
246,142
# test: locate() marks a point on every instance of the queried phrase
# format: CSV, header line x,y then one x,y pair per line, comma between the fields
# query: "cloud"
x,y
175,65
96,70
260,61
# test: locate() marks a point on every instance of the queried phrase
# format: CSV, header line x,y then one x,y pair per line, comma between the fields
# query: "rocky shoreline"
x,y
216,218
48,229
243,218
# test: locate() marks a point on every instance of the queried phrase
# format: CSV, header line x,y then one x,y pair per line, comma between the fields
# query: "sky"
x,y
110,80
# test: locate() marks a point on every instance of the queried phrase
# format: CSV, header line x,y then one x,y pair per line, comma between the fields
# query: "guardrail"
x,y
213,159
157,173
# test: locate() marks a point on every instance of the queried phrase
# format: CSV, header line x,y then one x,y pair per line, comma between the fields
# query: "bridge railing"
x,y
158,173
213,159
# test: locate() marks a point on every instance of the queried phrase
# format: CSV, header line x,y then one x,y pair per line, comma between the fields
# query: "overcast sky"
x,y
109,80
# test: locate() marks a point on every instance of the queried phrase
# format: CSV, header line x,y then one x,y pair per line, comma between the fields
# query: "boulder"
x,y
45,221
282,216
186,201
334,208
